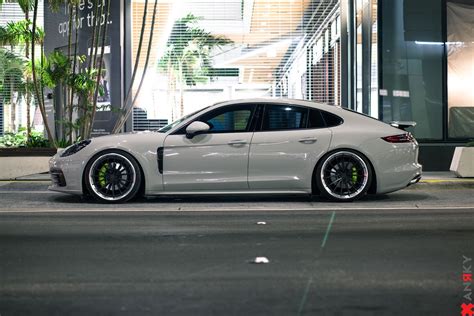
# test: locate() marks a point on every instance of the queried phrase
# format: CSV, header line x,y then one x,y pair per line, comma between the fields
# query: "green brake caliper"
x,y
354,175
102,171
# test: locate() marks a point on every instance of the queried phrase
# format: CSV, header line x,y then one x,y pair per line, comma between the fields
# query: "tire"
x,y
343,175
113,177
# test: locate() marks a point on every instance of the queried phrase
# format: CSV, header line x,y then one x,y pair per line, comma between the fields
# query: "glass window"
x,y
316,119
282,117
331,119
229,120
412,65
460,52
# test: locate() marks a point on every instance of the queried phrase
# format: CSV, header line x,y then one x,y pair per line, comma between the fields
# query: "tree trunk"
x,y
145,68
13,109
35,83
71,101
99,74
181,89
27,90
135,68
68,88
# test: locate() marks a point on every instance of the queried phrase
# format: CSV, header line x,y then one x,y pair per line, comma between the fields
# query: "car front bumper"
x,y
66,174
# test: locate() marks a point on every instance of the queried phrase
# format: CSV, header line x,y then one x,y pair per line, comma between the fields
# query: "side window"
x,y
316,119
283,117
331,119
229,119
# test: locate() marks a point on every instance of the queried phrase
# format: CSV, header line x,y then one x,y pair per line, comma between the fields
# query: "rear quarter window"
x,y
331,120
316,119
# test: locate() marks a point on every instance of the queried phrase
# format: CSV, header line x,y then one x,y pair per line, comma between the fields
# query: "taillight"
x,y
401,138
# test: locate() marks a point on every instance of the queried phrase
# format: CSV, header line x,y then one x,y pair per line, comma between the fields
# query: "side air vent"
x,y
159,157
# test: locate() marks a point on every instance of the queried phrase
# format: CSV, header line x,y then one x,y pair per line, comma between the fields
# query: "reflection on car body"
x,y
243,147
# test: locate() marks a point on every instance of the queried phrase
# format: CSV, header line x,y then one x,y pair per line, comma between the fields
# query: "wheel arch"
x,y
373,184
141,190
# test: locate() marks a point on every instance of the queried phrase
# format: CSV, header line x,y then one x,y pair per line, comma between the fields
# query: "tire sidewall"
x,y
322,188
138,176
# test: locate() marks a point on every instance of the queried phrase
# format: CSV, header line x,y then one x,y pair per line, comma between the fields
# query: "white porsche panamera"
x,y
245,147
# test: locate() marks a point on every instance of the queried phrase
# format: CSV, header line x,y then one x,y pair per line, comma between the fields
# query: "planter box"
x,y
22,152
463,162
20,162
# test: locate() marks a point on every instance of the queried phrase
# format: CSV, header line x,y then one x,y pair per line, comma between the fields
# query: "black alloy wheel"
x,y
343,176
113,177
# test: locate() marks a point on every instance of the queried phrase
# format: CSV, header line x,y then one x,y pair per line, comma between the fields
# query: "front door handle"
x,y
308,140
238,142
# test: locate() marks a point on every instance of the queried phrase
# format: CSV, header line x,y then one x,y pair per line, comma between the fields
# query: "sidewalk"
x,y
446,177
429,177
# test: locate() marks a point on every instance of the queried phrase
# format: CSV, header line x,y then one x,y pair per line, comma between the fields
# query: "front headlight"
x,y
71,150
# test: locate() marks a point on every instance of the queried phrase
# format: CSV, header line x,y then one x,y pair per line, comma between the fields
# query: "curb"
x,y
37,177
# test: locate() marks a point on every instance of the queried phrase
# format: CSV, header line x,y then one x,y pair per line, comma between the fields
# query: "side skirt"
x,y
243,192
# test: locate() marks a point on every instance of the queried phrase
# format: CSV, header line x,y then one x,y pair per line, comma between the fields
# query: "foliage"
x,y
188,52
37,140
12,68
187,58
63,143
12,140
470,144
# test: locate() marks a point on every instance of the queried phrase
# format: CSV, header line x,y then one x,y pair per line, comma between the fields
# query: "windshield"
x,y
168,127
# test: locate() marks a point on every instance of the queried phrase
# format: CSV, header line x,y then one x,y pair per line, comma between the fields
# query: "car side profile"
x,y
245,147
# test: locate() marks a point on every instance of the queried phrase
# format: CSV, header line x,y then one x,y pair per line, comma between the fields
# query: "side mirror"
x,y
196,128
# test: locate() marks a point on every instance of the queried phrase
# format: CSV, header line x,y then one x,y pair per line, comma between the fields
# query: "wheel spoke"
x,y
344,175
112,177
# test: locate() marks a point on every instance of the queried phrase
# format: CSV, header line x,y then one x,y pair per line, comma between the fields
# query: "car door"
x,y
214,161
286,147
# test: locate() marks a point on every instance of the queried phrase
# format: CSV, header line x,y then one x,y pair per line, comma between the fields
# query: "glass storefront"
x,y
14,111
427,67
205,51
412,65
409,60
460,64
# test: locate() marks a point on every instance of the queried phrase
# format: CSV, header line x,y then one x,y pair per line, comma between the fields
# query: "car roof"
x,y
321,106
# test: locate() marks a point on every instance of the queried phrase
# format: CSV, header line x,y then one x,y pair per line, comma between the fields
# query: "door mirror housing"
x,y
195,128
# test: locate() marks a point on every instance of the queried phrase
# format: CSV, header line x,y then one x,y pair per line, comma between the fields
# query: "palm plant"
x,y
12,84
16,33
187,59
13,34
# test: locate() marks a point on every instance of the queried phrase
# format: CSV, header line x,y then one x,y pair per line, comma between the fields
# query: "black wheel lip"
x,y
92,182
362,187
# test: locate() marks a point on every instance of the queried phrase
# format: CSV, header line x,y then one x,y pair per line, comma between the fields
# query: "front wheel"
x,y
113,177
343,176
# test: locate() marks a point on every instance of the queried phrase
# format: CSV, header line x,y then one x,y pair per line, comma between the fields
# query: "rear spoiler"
x,y
403,124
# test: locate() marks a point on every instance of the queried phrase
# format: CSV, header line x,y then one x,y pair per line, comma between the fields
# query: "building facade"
x,y
395,60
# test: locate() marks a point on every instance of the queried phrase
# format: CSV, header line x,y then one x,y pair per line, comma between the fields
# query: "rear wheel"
x,y
113,177
343,176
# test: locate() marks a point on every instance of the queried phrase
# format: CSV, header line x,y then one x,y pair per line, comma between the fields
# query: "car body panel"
x,y
286,159
268,157
206,162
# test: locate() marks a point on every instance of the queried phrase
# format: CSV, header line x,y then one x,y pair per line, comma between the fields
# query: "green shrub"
x,y
12,140
37,140
17,140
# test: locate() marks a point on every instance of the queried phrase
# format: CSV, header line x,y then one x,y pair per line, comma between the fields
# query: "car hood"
x,y
133,140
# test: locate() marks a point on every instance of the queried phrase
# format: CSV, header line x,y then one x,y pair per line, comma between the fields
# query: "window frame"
x,y
250,125
307,108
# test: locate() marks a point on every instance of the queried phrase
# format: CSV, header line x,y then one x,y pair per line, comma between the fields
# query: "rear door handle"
x,y
308,140
238,142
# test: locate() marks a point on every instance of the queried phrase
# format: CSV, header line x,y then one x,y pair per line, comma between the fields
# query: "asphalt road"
x,y
398,254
